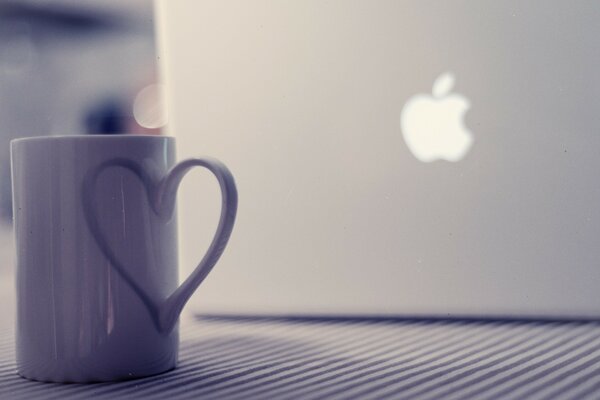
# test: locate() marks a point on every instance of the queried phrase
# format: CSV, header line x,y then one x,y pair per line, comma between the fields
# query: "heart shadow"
x,y
161,194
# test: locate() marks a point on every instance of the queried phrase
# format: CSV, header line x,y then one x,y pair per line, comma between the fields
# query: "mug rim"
x,y
92,136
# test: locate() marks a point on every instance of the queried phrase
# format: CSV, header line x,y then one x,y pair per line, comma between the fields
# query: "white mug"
x,y
96,236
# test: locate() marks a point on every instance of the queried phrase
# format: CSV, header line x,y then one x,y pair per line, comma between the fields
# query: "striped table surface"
x,y
270,358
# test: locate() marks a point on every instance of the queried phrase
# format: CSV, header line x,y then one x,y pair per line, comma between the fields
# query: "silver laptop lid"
x,y
392,157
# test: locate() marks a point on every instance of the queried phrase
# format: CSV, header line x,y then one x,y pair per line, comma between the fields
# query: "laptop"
x,y
392,157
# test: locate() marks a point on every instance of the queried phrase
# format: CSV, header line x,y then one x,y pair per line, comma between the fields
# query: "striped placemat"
x,y
268,358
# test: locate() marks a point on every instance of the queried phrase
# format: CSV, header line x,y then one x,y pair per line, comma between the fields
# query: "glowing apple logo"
x,y
433,126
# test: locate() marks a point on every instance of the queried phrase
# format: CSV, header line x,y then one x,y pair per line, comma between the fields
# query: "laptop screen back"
x,y
392,157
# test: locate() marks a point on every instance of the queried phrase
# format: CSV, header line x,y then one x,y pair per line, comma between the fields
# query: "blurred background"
x,y
71,67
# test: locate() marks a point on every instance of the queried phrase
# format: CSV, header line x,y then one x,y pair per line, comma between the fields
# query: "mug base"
x,y
51,378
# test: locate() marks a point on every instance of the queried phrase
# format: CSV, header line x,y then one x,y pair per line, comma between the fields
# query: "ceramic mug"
x,y
96,237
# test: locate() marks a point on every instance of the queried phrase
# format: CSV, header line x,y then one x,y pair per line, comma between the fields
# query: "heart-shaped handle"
x,y
162,195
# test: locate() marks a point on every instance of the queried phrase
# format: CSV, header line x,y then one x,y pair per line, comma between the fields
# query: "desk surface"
x,y
289,359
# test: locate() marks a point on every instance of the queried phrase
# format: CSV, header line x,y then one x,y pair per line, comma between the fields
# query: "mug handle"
x,y
165,197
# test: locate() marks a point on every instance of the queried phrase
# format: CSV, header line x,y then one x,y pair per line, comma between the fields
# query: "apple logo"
x,y
432,126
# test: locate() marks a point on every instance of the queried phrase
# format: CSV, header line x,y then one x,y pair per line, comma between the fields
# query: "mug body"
x,y
78,320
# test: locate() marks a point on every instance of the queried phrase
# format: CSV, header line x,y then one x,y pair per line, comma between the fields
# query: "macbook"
x,y
392,157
